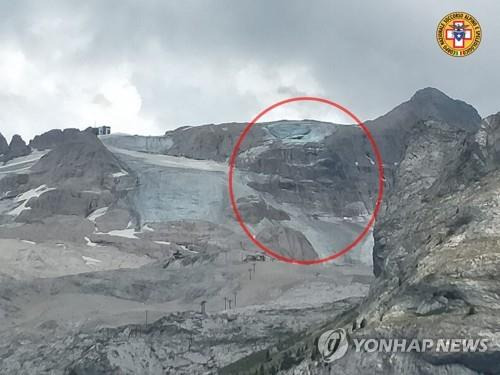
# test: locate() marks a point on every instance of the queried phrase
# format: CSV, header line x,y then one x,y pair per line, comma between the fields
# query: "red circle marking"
x,y
380,168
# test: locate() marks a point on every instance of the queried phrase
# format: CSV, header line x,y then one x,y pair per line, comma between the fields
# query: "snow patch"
x,y
90,261
126,233
120,174
183,247
25,198
97,214
162,242
147,228
90,243
371,160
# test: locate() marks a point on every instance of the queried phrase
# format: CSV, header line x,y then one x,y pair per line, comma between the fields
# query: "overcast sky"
x,y
145,67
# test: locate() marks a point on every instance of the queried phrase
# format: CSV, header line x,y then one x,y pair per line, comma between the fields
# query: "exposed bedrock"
x,y
436,257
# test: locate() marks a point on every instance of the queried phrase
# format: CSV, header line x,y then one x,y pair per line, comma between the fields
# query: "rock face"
x,y
212,142
183,343
16,148
287,242
431,104
4,146
254,209
53,138
318,170
323,166
436,250
80,160
77,177
436,258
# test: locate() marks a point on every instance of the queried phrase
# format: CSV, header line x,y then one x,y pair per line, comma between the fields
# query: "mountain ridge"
x,y
149,229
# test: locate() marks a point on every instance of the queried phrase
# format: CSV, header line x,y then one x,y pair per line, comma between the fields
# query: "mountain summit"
x,y
430,104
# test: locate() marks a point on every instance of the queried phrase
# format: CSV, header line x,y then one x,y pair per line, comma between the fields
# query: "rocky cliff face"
x,y
436,253
53,138
80,160
15,149
4,146
76,178
436,258
321,171
321,166
18,147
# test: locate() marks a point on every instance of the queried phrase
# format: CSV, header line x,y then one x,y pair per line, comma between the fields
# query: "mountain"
x,y
322,170
435,257
53,138
286,177
16,148
121,253
4,146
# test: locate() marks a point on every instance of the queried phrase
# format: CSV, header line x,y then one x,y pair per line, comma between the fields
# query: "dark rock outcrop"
x,y
339,171
211,142
4,146
17,148
81,160
254,209
287,242
53,138
77,177
436,256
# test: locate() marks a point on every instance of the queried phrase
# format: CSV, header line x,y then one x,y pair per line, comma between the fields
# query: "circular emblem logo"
x,y
458,34
333,344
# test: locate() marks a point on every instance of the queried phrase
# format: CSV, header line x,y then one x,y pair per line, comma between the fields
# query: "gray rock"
x,y
435,254
64,202
4,146
287,242
17,148
82,160
53,138
433,306
254,209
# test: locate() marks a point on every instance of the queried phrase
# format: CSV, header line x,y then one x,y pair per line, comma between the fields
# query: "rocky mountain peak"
x,y
53,138
16,148
81,157
429,93
432,104
4,146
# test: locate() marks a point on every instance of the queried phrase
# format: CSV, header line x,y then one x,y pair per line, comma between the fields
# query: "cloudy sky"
x,y
145,67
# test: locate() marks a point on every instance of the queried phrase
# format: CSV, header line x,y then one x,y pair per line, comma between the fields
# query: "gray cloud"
x,y
150,66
